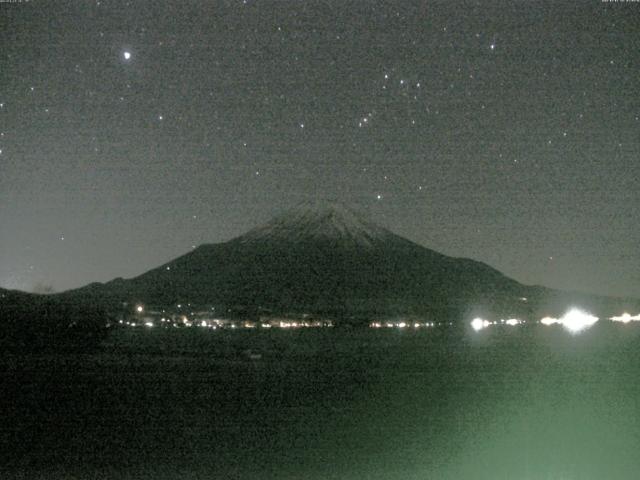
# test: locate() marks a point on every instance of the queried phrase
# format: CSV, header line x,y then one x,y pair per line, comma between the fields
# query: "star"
x,y
439,100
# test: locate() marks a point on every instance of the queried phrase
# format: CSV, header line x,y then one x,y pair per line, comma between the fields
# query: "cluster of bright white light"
x,y
626,318
549,321
402,324
574,320
296,324
478,324
216,323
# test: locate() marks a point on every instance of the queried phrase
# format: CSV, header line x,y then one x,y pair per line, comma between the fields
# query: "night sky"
x,y
508,132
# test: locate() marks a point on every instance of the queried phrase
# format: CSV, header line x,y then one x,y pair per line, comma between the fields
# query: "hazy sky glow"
x,y
507,132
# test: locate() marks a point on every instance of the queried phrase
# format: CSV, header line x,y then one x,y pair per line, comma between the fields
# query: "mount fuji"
x,y
327,259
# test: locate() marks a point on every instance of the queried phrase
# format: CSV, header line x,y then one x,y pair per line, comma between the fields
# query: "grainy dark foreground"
x,y
530,402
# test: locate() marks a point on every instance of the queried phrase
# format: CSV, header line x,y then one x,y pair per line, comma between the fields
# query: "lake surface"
x,y
527,402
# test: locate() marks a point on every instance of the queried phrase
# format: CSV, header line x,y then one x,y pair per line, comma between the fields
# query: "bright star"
x,y
126,55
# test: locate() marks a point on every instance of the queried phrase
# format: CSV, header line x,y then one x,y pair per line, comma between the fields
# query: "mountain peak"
x,y
319,221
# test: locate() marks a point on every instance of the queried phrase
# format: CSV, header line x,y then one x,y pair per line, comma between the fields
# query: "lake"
x,y
525,402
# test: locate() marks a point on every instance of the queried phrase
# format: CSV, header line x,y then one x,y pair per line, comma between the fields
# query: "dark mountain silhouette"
x,y
33,322
327,259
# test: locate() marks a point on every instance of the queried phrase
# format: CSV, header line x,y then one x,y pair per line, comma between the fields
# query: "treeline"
x,y
41,323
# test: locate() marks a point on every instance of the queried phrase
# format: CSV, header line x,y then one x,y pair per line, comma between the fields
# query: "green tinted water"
x,y
512,403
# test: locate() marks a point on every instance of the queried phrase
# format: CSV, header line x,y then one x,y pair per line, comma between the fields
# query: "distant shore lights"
x,y
478,324
550,321
574,320
626,318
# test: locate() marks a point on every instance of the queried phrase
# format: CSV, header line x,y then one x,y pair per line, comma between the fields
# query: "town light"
x,y
478,324
625,318
549,321
576,320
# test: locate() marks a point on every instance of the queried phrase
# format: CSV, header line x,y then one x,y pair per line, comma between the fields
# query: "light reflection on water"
x,y
514,403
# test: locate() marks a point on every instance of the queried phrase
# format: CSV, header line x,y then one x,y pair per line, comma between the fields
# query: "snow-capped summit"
x,y
315,221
